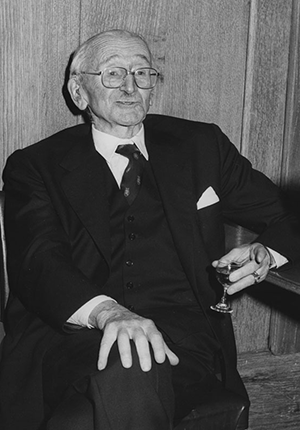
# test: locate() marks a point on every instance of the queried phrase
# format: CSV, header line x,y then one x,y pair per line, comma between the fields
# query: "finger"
x,y
247,281
244,271
124,349
240,254
222,262
143,351
240,285
261,273
161,350
174,360
107,342
260,254
158,346
225,259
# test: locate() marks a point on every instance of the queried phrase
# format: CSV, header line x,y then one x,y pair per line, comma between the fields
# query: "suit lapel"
x,y
174,179
84,187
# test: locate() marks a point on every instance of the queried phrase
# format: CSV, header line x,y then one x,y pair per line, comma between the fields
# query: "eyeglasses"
x,y
144,78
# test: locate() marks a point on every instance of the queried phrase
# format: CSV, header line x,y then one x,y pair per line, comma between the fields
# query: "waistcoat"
x,y
145,270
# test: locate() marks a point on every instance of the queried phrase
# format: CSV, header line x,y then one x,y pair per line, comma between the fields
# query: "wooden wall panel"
x,y
199,46
285,321
251,323
285,325
36,41
266,82
208,40
290,178
267,74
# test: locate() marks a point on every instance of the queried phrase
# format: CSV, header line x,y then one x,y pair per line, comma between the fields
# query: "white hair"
x,y
84,55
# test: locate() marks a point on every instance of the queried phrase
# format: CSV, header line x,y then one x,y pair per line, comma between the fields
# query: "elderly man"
x,y
113,230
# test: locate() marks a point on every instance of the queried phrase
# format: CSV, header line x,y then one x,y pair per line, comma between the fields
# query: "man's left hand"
x,y
257,261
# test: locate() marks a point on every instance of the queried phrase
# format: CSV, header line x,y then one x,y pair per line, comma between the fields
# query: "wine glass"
x,y
222,275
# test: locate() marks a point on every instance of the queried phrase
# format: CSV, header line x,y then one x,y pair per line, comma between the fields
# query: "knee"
x,y
115,368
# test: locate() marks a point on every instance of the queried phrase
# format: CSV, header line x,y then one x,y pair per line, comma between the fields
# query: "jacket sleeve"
x,y
41,268
252,200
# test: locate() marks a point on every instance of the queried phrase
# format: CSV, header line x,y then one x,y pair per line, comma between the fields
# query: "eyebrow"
x,y
112,57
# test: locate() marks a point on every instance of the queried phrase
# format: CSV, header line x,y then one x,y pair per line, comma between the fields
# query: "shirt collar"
x,y
106,144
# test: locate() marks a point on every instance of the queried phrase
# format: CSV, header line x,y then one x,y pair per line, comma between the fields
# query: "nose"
x,y
128,85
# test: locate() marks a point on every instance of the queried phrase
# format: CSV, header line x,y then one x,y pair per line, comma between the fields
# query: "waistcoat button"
x,y
129,263
132,236
130,218
129,285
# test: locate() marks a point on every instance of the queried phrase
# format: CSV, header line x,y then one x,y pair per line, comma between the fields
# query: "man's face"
x,y
119,111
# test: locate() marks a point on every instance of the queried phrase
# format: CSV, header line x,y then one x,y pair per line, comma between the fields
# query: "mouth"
x,y
127,102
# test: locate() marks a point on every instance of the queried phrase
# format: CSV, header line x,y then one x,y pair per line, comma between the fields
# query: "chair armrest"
x,y
287,278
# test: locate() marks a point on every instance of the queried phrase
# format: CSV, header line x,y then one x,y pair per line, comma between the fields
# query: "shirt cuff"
x,y
279,259
81,316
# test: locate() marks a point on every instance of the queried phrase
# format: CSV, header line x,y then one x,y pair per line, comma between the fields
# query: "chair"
x,y
4,288
223,410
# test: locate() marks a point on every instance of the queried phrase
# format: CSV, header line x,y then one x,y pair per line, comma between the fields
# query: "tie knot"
x,y
129,151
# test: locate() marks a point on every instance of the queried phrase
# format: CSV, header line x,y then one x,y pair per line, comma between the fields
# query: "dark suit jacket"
x,y
57,227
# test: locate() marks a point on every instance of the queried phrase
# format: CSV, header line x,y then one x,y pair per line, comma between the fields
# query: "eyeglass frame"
x,y
128,72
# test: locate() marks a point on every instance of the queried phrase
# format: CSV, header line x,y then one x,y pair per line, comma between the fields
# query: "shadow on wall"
x,y
293,198
1,332
66,95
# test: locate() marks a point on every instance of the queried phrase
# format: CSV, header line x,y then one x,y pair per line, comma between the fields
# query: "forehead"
x,y
128,49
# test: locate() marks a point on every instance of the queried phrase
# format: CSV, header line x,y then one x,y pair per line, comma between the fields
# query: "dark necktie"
x,y
132,175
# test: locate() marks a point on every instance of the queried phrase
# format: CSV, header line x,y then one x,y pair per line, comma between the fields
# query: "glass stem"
x,y
223,299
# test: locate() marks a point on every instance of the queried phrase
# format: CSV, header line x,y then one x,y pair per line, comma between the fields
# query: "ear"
x,y
77,93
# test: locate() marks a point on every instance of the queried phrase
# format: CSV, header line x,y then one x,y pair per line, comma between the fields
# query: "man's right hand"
x,y
120,325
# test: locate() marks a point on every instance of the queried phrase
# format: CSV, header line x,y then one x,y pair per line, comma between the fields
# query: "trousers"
x,y
78,396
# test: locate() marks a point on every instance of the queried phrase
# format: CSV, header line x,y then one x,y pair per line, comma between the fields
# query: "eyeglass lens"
x,y
144,78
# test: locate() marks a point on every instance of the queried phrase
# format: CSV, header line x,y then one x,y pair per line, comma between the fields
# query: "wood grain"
x,y
251,322
266,80
285,321
37,39
290,179
263,131
273,387
199,47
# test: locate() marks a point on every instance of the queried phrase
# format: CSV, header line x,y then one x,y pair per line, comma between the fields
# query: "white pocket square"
x,y
208,198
